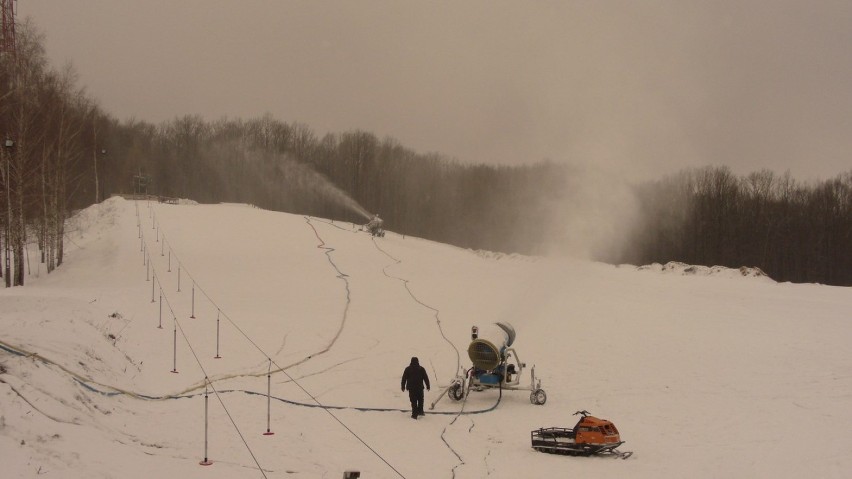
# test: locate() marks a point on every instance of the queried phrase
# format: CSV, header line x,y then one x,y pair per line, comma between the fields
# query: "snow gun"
x,y
495,366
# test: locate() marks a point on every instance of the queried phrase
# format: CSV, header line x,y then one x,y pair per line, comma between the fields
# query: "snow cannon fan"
x,y
488,347
495,366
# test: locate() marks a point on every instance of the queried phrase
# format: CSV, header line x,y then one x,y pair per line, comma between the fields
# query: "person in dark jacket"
x,y
413,379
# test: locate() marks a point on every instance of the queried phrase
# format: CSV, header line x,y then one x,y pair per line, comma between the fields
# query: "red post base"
x,y
269,433
217,357
175,371
206,462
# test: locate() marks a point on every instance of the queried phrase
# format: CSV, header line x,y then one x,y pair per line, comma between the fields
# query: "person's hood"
x,y
415,361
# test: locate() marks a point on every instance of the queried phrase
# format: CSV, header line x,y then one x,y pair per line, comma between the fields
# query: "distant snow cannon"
x,y
495,366
374,226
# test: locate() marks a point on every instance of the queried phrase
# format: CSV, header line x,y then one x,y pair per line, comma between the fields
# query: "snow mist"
x,y
594,218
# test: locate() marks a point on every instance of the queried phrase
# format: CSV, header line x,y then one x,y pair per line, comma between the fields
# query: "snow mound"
x,y
94,217
504,256
683,269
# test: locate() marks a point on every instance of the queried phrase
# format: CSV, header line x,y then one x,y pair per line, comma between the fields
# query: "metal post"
x,y
206,461
193,301
217,336
147,267
7,249
170,261
174,368
163,246
152,286
161,309
268,399
178,277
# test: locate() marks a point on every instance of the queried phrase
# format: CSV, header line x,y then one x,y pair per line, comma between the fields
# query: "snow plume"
x,y
305,179
594,216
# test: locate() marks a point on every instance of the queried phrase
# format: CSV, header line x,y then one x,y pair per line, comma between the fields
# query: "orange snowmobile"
x,y
590,436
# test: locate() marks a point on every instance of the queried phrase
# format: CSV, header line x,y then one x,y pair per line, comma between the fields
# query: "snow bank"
x,y
683,269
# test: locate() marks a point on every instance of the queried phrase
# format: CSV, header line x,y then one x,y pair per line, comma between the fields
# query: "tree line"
x,y
793,231
48,127
68,154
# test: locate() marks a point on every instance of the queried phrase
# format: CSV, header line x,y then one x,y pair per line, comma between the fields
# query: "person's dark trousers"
x,y
416,397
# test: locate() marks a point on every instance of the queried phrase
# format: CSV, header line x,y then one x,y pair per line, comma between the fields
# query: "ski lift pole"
x,y
218,312
174,367
178,278
152,286
193,301
268,399
206,461
161,308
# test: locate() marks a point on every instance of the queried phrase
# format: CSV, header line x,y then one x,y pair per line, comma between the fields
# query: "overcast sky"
x,y
642,87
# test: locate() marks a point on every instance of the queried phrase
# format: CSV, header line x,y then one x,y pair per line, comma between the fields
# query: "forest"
x,y
62,152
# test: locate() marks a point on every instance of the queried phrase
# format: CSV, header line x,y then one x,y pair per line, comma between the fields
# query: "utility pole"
x,y
8,52
8,44
7,250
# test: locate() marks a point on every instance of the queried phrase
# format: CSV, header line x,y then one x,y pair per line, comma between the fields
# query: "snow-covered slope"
x,y
705,375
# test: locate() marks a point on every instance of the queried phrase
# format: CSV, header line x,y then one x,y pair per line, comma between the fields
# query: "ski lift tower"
x,y
140,184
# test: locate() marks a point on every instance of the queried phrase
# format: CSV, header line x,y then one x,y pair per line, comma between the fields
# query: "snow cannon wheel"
x,y
456,392
538,397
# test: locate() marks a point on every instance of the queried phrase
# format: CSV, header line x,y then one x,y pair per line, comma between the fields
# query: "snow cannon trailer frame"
x,y
495,366
590,437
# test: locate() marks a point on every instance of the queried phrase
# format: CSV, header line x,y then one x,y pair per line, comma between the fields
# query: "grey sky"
x,y
641,87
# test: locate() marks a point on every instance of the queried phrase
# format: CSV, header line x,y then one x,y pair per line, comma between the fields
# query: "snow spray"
x,y
310,179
